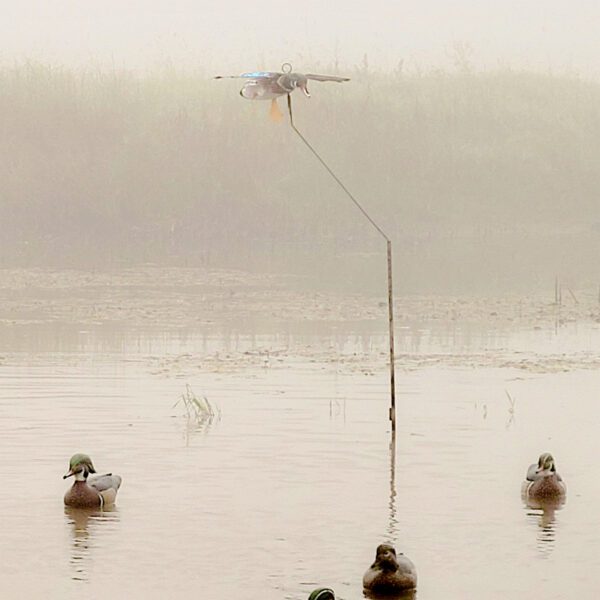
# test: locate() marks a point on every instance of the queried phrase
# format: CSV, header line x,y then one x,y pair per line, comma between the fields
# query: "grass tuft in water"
x,y
197,409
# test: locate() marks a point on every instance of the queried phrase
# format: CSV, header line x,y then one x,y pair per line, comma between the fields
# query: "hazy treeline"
x,y
481,179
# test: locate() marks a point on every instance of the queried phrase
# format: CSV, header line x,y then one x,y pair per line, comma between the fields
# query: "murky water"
x,y
291,486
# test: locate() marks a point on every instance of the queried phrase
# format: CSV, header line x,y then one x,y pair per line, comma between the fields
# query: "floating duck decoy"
x,y
98,492
542,481
270,85
390,573
322,594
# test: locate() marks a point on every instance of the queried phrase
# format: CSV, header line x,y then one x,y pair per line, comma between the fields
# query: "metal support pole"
x,y
391,336
392,411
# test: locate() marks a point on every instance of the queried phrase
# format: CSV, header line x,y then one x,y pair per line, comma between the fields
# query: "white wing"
x,y
326,78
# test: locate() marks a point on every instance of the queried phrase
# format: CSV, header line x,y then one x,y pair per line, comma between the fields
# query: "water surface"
x,y
290,487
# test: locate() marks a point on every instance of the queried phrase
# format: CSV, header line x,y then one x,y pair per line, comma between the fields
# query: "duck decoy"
x,y
270,85
542,482
390,573
96,492
322,594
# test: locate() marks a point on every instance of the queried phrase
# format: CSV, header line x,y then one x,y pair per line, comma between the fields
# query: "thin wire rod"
x,y
348,193
392,412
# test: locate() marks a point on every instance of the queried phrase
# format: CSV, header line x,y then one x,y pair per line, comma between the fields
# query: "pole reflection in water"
x,y
406,595
84,523
392,524
392,529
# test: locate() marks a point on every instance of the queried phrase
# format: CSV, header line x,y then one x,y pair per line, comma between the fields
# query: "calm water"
x,y
291,487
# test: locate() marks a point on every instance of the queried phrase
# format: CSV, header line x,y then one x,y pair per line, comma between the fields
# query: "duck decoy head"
x,y
291,81
385,557
546,463
80,466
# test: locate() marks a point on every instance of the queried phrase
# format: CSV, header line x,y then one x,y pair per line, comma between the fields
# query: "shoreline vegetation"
x,y
170,297
286,323
485,181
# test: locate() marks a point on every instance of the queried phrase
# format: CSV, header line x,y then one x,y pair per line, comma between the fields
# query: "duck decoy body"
x,y
542,482
390,573
95,492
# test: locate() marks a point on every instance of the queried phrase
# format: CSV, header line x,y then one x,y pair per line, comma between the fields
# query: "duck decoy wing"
x,y
326,78
107,487
254,75
259,85
101,483
532,474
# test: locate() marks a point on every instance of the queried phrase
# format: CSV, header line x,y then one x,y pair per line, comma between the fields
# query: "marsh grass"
x,y
511,408
471,173
198,410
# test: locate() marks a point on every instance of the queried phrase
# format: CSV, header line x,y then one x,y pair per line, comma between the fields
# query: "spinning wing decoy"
x,y
270,85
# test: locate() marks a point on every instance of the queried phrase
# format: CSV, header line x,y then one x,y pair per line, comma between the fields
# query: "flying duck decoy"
x,y
96,492
390,573
542,482
270,85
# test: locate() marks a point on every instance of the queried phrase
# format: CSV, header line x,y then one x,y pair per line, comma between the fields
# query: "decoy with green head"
x,y
322,594
542,482
90,492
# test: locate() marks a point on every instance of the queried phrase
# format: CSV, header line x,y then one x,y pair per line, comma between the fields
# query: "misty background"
x,y
469,132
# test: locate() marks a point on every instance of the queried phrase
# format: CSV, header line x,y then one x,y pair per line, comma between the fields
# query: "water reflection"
x,y
336,409
392,529
405,595
416,337
193,427
543,512
393,522
84,523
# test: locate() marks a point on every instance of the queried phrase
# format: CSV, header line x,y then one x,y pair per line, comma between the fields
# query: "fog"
x,y
190,299
470,133
550,34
